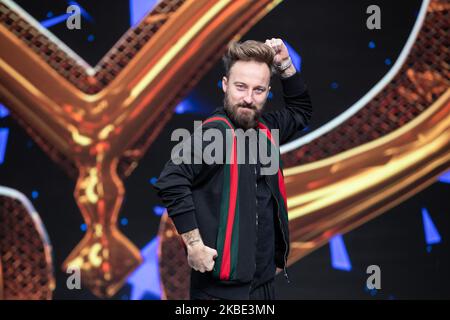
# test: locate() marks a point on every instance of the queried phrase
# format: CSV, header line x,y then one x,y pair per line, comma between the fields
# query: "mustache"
x,y
246,106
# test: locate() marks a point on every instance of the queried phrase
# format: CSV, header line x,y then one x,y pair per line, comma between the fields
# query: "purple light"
x,y
139,8
339,255
146,279
53,21
4,112
445,178
295,57
432,235
158,210
189,105
3,141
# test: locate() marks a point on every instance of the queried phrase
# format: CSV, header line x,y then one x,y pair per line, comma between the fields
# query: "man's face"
x,y
246,92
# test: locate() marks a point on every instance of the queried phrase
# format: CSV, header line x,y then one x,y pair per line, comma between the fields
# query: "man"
x,y
232,217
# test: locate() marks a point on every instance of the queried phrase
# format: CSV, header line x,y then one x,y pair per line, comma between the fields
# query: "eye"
x,y
240,87
259,90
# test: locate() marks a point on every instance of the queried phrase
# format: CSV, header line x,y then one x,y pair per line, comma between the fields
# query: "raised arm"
x,y
297,112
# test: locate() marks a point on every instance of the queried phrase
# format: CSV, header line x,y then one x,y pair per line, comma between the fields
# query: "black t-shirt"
x,y
265,244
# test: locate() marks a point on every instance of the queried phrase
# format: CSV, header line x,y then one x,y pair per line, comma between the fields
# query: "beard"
x,y
243,115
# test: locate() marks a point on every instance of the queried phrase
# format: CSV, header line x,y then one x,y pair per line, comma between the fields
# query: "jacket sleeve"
x,y
297,112
174,186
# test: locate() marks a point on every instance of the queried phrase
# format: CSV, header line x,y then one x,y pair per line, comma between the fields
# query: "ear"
x,y
224,84
268,90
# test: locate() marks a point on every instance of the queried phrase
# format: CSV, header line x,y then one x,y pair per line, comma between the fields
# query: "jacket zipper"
x,y
282,231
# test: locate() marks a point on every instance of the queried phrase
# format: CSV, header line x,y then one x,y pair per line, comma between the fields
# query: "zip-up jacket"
x,y
220,198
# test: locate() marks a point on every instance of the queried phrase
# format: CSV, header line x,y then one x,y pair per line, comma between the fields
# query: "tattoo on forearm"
x,y
193,241
288,72
191,237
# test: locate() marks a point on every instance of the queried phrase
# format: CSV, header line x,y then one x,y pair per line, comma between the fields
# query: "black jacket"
x,y
195,196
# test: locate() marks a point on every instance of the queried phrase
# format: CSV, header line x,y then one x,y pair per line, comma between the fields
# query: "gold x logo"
x,y
99,122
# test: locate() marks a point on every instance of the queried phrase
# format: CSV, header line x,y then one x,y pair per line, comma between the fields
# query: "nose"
x,y
248,98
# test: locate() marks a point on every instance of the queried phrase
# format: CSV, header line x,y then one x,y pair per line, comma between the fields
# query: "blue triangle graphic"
x,y
339,255
3,140
144,281
445,178
432,235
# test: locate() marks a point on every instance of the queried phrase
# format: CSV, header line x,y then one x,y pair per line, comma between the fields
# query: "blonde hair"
x,y
249,50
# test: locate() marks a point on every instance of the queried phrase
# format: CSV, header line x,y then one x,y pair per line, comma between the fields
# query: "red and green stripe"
x,y
281,190
228,234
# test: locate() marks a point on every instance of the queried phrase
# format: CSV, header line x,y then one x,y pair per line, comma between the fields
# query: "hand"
x,y
201,257
280,49
281,57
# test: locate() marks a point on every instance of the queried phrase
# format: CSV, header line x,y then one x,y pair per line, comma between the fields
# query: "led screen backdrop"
x,y
86,117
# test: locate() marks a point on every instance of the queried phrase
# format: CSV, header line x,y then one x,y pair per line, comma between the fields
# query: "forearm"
x,y
289,72
174,187
192,238
295,93
199,256
297,110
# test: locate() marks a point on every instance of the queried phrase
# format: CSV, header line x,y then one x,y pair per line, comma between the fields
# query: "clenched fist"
x,y
281,60
200,257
